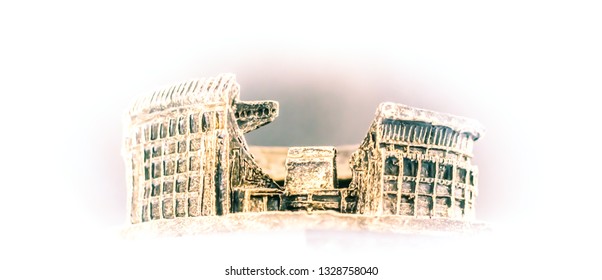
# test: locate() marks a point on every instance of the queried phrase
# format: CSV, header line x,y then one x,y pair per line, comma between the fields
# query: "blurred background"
x,y
529,71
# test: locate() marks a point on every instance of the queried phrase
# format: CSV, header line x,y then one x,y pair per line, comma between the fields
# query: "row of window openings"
x,y
427,170
170,167
170,148
185,125
425,206
165,209
181,185
259,112
427,189
193,184
427,200
259,204
433,153
191,207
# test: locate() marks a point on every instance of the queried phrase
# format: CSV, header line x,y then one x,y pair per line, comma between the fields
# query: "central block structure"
x,y
311,168
311,181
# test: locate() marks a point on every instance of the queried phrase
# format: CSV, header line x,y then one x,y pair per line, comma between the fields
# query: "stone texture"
x,y
187,160
294,221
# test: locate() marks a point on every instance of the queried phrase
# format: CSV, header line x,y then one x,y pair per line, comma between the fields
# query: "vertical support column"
x,y
399,181
247,201
208,208
417,184
145,187
379,192
468,188
222,189
452,194
434,194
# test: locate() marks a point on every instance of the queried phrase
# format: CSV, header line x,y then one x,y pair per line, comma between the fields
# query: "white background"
x,y
528,70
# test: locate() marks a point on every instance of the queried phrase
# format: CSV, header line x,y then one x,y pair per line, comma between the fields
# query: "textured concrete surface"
x,y
294,221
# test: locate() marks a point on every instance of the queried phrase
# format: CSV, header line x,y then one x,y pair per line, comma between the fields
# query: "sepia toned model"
x,y
186,156
416,162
